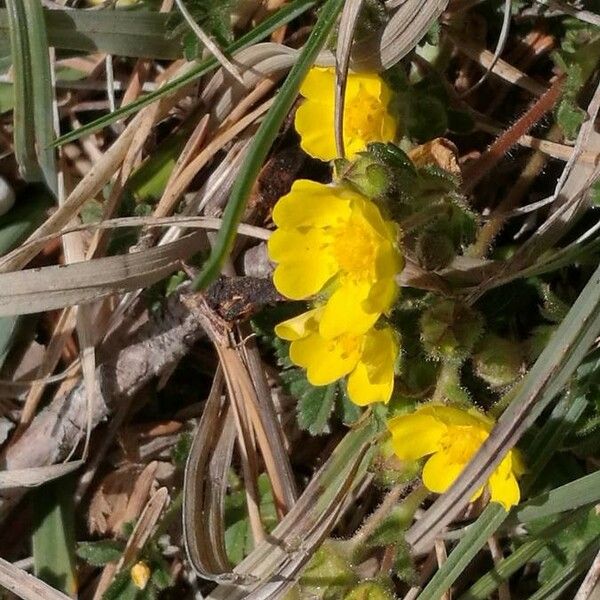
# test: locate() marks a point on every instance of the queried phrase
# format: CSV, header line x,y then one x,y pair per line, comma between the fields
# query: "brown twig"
x,y
474,173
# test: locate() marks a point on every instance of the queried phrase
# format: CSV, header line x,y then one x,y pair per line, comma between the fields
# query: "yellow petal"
x,y
373,378
298,327
314,123
300,280
305,265
368,213
504,489
344,313
325,361
518,463
319,83
439,473
289,244
312,204
370,83
382,296
458,416
416,435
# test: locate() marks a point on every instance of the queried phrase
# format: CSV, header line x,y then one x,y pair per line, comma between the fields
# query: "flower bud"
x,y
498,361
140,575
450,329
435,250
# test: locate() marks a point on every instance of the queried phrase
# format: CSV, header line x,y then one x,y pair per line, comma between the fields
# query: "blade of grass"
x,y
124,33
32,114
485,586
53,539
261,144
284,15
556,585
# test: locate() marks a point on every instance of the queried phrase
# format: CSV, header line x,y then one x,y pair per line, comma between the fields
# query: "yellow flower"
x,y
332,235
368,358
140,575
366,116
452,436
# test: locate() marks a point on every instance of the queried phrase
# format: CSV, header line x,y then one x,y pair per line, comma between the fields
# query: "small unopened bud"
x,y
498,361
369,177
435,250
140,575
450,329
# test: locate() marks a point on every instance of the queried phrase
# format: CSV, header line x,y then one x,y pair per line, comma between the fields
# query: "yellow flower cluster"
x,y
366,115
334,242
450,437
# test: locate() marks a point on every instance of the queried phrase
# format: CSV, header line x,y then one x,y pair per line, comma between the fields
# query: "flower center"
x,y
354,248
462,442
347,345
362,116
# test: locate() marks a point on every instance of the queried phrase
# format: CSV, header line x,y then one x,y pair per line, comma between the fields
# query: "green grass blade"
x,y
43,94
284,15
32,113
24,138
476,537
53,539
138,34
261,144
484,587
572,495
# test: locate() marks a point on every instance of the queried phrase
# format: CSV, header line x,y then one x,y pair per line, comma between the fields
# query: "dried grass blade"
x,y
26,586
404,30
205,487
260,32
36,475
501,68
48,288
270,569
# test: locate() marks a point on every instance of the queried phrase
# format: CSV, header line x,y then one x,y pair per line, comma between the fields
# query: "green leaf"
x,y
53,539
101,552
327,574
122,588
404,566
566,544
315,404
570,117
426,117
214,16
346,410
369,590
390,530
262,142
